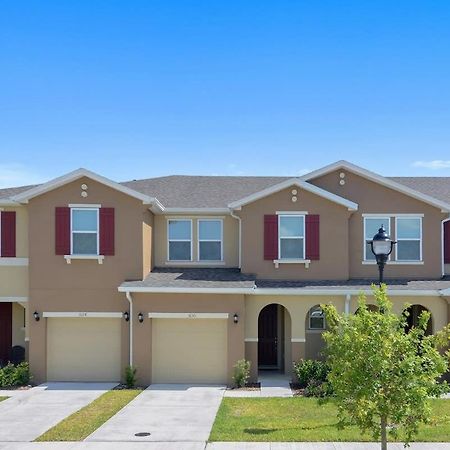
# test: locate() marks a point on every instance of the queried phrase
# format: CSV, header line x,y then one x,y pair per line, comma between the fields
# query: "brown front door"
x,y
268,337
5,331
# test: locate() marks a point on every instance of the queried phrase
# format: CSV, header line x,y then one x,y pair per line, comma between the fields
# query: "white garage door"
x,y
83,349
189,351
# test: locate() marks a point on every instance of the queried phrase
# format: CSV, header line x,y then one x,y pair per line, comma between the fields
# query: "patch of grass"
x,y
3,398
84,422
303,419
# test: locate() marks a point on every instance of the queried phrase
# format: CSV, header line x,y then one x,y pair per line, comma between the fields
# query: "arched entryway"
x,y
274,338
315,325
413,318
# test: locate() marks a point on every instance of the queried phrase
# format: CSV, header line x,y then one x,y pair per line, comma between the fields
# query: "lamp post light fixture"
x,y
381,246
140,317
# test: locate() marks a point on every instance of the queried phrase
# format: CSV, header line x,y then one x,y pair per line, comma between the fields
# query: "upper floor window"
x,y
180,239
316,318
291,236
84,231
210,240
371,226
409,238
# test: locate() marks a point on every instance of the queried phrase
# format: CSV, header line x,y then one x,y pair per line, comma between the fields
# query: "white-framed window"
x,y
371,226
179,244
316,318
84,227
291,236
210,239
408,232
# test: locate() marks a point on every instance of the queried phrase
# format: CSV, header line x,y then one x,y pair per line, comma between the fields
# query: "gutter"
x,y
130,300
348,299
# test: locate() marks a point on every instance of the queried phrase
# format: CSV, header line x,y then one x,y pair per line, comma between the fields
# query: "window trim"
x,y
209,240
82,255
179,240
373,216
280,259
420,239
309,320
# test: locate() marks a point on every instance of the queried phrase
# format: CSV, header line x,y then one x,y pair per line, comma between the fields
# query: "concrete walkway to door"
x,y
167,412
28,414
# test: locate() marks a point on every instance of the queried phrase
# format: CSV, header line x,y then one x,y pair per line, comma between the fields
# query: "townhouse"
x,y
181,276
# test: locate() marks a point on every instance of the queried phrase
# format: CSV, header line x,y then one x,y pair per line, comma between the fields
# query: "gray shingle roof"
x,y
197,278
213,278
181,191
436,187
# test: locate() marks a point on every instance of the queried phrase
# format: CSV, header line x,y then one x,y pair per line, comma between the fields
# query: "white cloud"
x,y
12,175
435,164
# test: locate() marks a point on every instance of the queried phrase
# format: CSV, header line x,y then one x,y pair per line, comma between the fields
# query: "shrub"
x,y
130,376
316,388
308,370
241,373
11,375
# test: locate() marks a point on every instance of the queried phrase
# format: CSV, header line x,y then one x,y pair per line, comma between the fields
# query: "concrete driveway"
x,y
169,413
27,415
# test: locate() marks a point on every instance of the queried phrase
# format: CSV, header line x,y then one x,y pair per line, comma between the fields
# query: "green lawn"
x,y
3,398
303,419
84,422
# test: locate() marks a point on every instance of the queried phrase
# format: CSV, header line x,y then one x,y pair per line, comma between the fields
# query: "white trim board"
x,y
27,195
13,299
251,340
298,340
351,206
7,261
342,164
187,315
84,315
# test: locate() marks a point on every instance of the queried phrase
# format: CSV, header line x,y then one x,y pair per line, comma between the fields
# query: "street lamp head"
x,y
381,243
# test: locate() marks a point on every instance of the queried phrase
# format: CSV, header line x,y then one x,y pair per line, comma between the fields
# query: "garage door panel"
x,y
189,351
83,349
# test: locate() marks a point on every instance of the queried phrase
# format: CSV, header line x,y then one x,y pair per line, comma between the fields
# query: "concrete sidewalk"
x,y
28,414
216,446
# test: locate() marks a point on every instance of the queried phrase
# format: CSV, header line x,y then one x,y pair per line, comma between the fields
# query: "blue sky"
x,y
148,88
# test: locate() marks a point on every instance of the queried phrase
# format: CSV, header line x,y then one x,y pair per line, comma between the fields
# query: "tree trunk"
x,y
383,433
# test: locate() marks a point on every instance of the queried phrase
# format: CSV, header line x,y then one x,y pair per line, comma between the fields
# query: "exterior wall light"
x,y
235,318
126,316
140,317
36,316
381,246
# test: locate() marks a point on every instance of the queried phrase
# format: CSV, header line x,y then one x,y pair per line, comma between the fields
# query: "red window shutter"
x,y
106,231
271,237
312,225
62,230
8,238
447,242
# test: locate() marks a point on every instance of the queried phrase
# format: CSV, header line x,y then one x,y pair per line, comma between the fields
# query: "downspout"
x,y
442,244
240,234
130,300
348,299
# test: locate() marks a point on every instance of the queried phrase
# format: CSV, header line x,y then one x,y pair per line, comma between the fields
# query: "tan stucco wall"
x,y
230,240
333,263
83,285
373,198
18,326
214,303
14,279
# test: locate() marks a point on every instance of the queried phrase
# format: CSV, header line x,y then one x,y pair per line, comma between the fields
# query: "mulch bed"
x,y
16,388
247,387
297,391
123,387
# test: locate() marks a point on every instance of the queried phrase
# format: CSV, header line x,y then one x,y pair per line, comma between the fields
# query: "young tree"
x,y
383,374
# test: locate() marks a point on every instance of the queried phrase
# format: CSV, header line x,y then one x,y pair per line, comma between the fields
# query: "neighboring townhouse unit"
x,y
181,276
